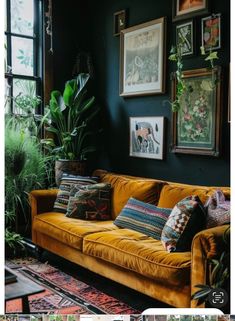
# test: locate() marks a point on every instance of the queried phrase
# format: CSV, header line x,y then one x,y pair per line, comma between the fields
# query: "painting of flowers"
x,y
211,32
196,126
196,116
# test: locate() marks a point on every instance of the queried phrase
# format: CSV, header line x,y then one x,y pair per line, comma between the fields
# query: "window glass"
x,y
7,98
22,17
25,100
22,56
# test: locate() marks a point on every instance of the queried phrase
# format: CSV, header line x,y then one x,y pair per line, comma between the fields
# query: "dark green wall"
x,y
97,35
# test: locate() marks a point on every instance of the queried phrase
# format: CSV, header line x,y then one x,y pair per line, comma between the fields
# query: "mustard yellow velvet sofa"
x,y
125,256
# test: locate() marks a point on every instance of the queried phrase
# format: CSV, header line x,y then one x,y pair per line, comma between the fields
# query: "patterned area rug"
x,y
63,294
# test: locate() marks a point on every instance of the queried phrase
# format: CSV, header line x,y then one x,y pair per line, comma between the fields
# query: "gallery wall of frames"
x,y
130,42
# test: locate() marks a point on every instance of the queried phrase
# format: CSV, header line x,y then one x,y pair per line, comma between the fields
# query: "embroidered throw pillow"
x,y
187,218
67,181
143,217
218,210
90,202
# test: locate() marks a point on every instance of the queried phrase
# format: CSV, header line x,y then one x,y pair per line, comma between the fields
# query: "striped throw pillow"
x,y
143,217
66,185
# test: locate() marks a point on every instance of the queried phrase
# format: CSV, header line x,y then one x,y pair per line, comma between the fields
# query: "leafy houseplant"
x,y
24,171
69,118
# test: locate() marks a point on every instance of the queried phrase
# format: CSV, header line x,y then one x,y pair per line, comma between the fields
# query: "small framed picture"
x,y
185,37
147,137
211,32
119,22
186,9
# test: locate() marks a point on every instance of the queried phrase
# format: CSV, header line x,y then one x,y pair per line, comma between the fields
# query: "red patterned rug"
x,y
63,294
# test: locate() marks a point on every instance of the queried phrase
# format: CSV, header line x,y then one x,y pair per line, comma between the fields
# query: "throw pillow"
x,y
218,210
187,218
67,181
90,202
143,217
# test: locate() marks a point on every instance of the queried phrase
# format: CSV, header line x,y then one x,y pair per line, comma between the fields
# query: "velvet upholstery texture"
x,y
124,187
69,230
173,193
133,258
178,296
140,253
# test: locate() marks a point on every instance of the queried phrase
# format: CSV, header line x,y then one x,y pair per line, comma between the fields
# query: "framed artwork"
x,y
185,9
147,137
185,36
197,125
211,32
142,59
119,22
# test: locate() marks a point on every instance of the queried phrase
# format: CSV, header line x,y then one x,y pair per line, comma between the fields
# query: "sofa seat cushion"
x,y
69,231
140,253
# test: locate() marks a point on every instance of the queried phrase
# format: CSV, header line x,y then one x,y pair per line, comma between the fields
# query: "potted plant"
x,y
69,117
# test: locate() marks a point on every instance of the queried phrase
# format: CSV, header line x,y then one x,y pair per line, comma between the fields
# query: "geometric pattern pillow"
x,y
187,218
143,217
91,202
66,183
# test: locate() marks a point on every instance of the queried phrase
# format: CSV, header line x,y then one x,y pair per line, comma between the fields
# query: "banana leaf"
x,y
70,92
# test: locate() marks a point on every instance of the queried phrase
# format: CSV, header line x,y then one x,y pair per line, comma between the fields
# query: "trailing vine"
x,y
181,86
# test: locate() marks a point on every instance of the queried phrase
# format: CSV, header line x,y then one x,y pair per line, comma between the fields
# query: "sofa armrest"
x,y
207,244
42,201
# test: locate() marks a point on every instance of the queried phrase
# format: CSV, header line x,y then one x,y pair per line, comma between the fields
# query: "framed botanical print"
x,y
142,59
147,137
185,37
211,32
197,124
185,9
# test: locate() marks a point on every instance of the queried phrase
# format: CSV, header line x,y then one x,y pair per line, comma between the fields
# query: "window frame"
x,y
37,39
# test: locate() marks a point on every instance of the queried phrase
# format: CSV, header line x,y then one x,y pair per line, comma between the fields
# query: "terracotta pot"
x,y
74,167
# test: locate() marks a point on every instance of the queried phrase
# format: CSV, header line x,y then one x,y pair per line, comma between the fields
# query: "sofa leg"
x,y
38,252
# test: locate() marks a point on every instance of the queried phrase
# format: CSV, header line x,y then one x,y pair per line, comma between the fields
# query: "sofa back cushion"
x,y
172,193
124,187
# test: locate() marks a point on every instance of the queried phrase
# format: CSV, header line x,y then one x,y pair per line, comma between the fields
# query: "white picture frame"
x,y
147,137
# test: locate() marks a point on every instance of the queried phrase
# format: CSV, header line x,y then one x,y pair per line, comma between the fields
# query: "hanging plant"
x,y
181,86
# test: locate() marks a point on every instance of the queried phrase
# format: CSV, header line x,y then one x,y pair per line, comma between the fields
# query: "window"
x,y
23,59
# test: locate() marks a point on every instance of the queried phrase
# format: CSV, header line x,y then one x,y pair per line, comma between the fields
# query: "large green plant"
x,y
69,118
24,171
